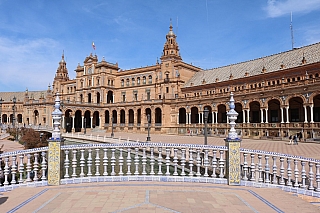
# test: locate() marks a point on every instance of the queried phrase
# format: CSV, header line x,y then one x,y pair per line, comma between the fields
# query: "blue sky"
x,y
211,33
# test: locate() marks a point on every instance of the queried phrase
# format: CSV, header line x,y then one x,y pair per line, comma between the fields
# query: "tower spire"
x,y
171,47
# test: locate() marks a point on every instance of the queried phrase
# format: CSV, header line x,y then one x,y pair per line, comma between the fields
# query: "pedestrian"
x,y
300,136
290,140
295,139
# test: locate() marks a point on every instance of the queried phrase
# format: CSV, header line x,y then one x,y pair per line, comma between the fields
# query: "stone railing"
x,y
133,161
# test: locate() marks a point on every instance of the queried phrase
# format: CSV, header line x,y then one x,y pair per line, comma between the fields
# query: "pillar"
x,y
311,113
91,119
287,110
305,114
261,115
187,118
243,116
178,118
266,115
82,122
212,115
248,113
216,113
199,115
282,115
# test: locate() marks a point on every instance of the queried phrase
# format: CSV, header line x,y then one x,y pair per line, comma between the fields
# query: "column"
x,y
282,115
72,122
202,117
261,115
82,122
178,118
216,117
212,114
112,98
91,119
266,115
62,124
199,115
189,117
305,114
243,116
287,110
248,113
311,113
101,126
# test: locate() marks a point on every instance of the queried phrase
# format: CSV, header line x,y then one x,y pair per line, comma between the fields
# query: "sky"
x,y
210,33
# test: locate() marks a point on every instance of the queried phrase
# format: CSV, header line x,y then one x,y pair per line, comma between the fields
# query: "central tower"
x,y
171,47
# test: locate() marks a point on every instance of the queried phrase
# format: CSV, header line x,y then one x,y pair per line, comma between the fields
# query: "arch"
x,y
255,114
138,81
150,79
35,117
148,112
131,116
78,121
98,97
194,115
122,82
209,115
238,109
87,116
68,120
114,116
4,118
107,117
222,113
144,80
274,111
19,118
89,98
139,116
81,98
158,116
95,119
110,97
122,116
316,108
296,111
182,116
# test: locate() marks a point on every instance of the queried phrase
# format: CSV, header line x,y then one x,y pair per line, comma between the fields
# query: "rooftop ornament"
x,y
56,116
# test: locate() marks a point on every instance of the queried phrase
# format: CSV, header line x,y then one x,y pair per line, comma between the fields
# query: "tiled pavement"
x,y
164,197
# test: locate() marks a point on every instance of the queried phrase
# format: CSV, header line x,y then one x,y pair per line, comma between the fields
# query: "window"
x,y
144,79
138,81
160,75
135,97
150,79
127,82
109,82
148,95
123,96
133,81
122,83
167,89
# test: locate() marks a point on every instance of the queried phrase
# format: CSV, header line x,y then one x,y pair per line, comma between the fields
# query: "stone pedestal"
x,y
233,172
54,162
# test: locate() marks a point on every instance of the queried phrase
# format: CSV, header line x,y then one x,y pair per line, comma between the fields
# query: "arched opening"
x,y
114,116
158,117
35,117
98,97
122,117
274,113
131,117
110,97
4,118
95,120
316,108
222,113
88,119
255,112
182,116
68,120
19,118
148,112
78,121
194,115
139,117
89,98
296,112
106,116
238,108
81,98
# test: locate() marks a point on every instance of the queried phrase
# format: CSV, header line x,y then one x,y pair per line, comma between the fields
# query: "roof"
x,y
272,63
8,96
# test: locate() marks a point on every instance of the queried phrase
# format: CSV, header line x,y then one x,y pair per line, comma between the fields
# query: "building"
x,y
275,96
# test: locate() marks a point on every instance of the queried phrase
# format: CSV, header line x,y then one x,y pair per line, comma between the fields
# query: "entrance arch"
x,y
182,116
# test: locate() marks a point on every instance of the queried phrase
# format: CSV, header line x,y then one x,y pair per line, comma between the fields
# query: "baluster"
x,y
281,171
311,176
66,163
252,167
120,161
82,162
198,163
214,163
35,167
21,168
260,180
136,161
206,162
97,162
105,162
13,169
267,169
89,162
303,175
6,171
152,161
113,161
28,168
168,161
296,173
191,162
160,160
274,170
144,161
74,163
43,166
175,161
183,161
318,177
245,166
221,164
289,172
129,161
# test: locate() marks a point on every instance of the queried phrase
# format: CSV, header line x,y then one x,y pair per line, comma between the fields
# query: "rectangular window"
x,y
167,89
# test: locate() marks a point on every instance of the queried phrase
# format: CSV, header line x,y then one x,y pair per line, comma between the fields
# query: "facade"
x,y
275,96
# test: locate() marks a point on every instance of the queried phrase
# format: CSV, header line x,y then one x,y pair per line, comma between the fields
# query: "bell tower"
x,y
171,47
62,71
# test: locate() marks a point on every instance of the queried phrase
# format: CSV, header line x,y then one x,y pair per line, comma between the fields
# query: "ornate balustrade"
x,y
124,160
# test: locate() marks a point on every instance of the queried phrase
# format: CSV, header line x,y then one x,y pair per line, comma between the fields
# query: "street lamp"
x,y
85,126
206,113
148,118
1,101
13,116
112,135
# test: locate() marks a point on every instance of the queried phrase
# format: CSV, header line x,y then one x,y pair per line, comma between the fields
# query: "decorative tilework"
x,y
54,163
233,162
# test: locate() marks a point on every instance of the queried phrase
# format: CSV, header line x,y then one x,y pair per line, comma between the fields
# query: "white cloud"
x,y
276,8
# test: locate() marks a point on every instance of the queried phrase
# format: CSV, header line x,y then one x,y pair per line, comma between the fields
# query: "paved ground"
x,y
164,197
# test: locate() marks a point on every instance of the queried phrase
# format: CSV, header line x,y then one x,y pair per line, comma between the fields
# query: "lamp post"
x,y
112,135
148,118
85,126
206,113
1,101
14,117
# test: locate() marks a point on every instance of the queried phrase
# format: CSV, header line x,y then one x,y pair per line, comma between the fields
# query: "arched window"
x,y
150,79
122,82
133,81
138,81
144,79
127,81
